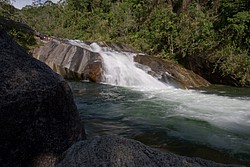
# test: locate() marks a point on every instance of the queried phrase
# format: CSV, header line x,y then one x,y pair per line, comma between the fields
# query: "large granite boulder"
x,y
208,66
171,72
75,60
70,61
38,117
114,151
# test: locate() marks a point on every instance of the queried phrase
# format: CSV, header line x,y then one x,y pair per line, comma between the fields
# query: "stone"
x,y
77,62
74,62
171,72
70,61
206,65
115,151
38,117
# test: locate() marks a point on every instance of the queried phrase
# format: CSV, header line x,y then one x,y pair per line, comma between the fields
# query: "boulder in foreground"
x,y
38,117
114,151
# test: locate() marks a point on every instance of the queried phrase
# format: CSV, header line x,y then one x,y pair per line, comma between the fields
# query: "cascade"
x,y
120,68
216,121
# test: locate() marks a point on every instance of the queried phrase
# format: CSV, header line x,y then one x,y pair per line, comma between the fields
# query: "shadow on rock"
x,y
38,117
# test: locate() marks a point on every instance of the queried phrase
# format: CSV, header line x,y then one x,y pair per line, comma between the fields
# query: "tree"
x,y
167,28
8,1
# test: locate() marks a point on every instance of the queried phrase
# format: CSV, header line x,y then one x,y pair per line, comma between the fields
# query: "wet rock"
x,y
77,62
38,117
206,65
114,151
72,62
172,73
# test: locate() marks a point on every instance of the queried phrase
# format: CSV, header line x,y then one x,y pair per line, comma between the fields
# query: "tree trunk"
x,y
181,5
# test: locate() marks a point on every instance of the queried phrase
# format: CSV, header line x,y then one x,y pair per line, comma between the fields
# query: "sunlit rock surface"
x,y
209,66
38,117
76,60
114,151
70,61
172,72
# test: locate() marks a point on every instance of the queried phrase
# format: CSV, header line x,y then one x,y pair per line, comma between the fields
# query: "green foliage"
x,y
161,32
6,10
7,1
233,33
169,29
11,20
195,31
238,28
235,62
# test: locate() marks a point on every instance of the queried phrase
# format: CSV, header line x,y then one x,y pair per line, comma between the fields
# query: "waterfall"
x,y
120,69
219,121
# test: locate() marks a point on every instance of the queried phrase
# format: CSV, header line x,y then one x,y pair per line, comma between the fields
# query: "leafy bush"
x,y
169,29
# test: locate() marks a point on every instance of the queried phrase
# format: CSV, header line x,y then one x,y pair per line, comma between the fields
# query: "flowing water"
x,y
211,123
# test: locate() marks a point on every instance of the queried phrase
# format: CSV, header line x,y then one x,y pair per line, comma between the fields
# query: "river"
x,y
211,123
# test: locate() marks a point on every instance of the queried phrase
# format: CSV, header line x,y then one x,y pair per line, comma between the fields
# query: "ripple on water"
x,y
187,122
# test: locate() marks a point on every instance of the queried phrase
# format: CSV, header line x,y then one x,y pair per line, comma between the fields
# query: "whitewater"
x,y
221,122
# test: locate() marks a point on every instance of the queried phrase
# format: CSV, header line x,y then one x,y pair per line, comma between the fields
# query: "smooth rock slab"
x,y
38,117
172,73
70,61
114,151
76,62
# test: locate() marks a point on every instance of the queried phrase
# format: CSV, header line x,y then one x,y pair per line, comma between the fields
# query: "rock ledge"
x,y
115,151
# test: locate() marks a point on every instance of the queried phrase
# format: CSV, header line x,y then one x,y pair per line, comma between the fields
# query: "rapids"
x,y
134,104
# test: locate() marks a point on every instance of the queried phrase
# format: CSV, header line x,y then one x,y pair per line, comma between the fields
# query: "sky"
x,y
21,3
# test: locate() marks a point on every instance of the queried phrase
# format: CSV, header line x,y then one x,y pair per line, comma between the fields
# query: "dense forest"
x,y
216,30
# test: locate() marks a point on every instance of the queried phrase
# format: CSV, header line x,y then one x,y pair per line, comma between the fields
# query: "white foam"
x,y
224,112
120,69
227,113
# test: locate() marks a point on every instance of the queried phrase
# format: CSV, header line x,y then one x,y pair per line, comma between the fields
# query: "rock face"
x,y
38,116
205,66
78,62
74,62
70,61
171,72
114,151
